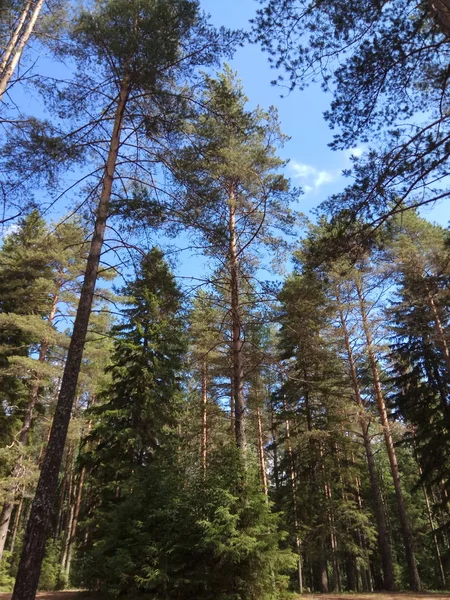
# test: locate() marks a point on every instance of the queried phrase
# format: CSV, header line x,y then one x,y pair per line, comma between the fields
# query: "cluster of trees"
x,y
247,439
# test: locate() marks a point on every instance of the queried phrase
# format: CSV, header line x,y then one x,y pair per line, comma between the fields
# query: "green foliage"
x,y
6,580
184,537
49,579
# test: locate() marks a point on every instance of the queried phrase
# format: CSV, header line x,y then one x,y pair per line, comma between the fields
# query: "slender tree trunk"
x,y
274,434
16,473
42,508
204,441
236,326
293,479
442,342
15,36
432,526
365,571
16,525
383,536
73,531
21,39
414,579
262,460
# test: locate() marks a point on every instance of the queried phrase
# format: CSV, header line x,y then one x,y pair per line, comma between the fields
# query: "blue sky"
x,y
313,166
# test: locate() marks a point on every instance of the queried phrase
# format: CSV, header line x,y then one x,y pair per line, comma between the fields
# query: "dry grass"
x,y
388,596
75,595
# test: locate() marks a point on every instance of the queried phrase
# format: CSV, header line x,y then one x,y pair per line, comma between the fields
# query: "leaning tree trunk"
x,y
236,331
383,535
414,579
42,508
17,43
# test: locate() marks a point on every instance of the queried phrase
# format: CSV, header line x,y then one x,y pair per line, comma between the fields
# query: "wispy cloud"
x,y
311,178
7,231
357,151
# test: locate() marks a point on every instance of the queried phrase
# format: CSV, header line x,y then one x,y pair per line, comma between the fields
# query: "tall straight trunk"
x,y
67,469
414,579
73,530
236,330
204,440
16,525
274,434
262,459
41,512
27,22
336,579
365,571
232,405
437,549
8,506
442,343
293,479
380,516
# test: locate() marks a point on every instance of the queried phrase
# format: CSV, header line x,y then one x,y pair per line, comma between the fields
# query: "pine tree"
x,y
234,198
138,48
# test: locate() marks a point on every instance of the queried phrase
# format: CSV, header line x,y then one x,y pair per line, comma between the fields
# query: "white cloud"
x,y
357,151
312,178
8,230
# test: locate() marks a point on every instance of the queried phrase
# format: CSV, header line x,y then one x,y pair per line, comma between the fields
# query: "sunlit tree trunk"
x,y
293,479
383,536
414,579
41,511
17,43
261,456
236,330
204,418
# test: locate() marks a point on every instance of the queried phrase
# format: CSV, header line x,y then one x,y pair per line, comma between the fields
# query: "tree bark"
x,y
262,460
298,543
204,441
414,579
236,331
383,536
42,508
16,525
19,42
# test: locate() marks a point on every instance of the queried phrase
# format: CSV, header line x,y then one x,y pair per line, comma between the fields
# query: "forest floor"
x,y
77,595
376,596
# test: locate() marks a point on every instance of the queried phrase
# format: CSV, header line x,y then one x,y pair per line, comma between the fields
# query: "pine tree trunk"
x,y
16,525
292,477
73,531
42,508
414,579
262,460
442,342
18,42
204,441
274,434
383,536
236,333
